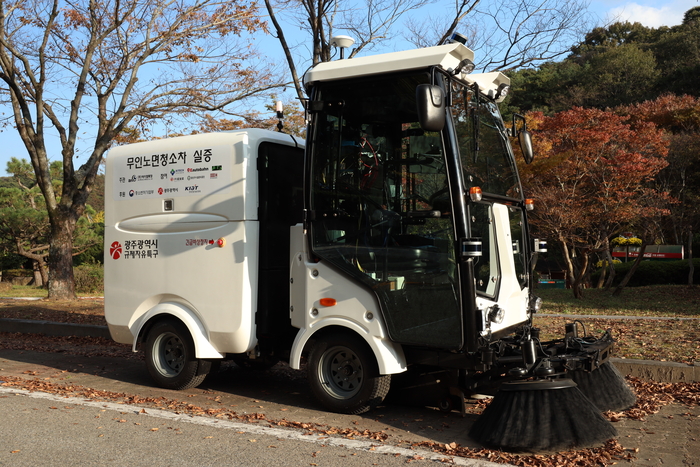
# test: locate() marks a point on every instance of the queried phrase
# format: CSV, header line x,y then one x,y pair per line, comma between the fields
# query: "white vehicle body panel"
x,y
447,56
356,308
157,257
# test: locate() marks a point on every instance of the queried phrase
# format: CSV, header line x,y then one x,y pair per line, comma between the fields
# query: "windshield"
x,y
483,144
487,162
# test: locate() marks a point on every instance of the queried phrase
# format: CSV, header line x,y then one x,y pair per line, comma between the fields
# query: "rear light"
x,y
475,193
529,204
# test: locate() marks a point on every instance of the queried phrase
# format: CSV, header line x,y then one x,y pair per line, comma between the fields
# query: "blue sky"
x,y
649,13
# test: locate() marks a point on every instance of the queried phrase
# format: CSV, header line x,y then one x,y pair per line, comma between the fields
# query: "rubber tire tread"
x,y
187,378
374,387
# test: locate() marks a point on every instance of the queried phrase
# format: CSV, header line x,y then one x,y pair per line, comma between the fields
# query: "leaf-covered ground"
x,y
637,338
651,397
645,339
667,339
81,311
642,339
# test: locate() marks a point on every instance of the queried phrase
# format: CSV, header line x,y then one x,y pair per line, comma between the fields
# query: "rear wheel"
x,y
170,357
343,375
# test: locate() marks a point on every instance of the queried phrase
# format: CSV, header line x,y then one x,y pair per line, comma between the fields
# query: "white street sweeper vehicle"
x,y
393,241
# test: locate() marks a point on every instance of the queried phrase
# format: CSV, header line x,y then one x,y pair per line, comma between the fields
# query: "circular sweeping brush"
x,y
543,415
605,387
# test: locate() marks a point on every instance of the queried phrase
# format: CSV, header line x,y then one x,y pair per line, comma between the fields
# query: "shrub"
x,y
655,273
89,278
17,276
5,287
8,274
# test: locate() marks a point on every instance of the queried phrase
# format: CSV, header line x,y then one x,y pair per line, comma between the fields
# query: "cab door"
x,y
380,206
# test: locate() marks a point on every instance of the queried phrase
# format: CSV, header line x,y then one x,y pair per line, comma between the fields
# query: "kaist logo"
x,y
115,250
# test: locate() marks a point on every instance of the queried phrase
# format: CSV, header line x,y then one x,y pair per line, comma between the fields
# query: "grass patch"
x,y
21,291
24,291
655,300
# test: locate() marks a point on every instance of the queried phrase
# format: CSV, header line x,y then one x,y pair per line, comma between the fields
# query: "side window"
x,y
486,269
483,147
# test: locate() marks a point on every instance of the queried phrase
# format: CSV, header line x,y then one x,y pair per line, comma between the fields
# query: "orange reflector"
x,y
475,193
328,302
529,204
221,242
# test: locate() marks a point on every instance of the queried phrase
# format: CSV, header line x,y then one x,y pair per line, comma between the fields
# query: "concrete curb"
x,y
663,372
620,317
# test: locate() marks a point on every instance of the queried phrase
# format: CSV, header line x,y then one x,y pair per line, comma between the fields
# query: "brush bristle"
x,y
605,387
541,420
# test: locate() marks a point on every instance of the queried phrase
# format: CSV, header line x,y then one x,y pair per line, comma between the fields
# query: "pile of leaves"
x,y
651,397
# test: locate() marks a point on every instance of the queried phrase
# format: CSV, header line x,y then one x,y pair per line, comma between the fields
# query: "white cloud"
x,y
650,13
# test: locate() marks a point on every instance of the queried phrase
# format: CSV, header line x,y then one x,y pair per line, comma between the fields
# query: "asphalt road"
x,y
45,429
38,430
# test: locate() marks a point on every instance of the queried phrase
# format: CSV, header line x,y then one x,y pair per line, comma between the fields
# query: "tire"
x,y
170,357
343,375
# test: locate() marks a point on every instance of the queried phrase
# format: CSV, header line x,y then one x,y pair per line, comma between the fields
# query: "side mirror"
x,y
430,103
525,140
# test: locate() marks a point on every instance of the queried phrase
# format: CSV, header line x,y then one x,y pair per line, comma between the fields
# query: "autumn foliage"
x,y
82,76
591,178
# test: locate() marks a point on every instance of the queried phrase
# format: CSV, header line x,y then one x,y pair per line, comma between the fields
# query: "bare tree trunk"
x,y
287,51
607,263
691,267
579,280
611,266
38,280
567,259
633,269
38,258
601,279
61,283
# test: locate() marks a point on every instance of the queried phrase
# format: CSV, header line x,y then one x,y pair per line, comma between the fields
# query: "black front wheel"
x,y
343,375
170,357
